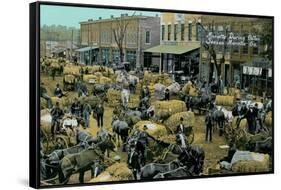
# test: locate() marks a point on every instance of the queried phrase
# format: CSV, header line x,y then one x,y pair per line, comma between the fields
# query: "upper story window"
x,y
182,32
189,31
198,31
163,32
169,32
175,32
147,37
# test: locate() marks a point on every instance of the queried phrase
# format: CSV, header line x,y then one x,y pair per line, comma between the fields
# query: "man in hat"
x,y
167,94
209,127
99,110
56,114
143,139
86,114
58,92
241,113
76,108
180,127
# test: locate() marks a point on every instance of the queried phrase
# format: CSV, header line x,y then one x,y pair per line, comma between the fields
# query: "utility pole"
x,y
71,45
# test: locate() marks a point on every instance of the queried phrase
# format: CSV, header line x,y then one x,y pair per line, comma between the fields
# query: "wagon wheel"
x,y
45,140
63,140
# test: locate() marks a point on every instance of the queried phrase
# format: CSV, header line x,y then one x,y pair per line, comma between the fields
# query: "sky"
x,y
71,16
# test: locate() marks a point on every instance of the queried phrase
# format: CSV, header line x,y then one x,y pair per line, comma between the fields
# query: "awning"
x,y
86,48
173,49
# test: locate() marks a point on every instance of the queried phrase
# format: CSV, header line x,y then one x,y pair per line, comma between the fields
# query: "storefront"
x,y
257,78
88,55
177,59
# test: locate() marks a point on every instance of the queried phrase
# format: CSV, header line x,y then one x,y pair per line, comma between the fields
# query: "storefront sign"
x,y
232,39
257,71
269,72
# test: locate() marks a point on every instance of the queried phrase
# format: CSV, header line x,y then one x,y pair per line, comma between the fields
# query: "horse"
x,y
50,163
176,173
120,129
192,156
85,137
227,114
198,102
262,146
219,118
134,162
100,89
150,170
80,162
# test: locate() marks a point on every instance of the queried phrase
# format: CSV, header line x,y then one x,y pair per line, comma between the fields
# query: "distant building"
x,y
99,45
180,44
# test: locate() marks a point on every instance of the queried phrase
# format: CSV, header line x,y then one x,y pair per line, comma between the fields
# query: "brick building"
x,y
99,44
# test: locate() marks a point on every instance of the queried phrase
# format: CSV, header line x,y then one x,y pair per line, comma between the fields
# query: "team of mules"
x,y
84,156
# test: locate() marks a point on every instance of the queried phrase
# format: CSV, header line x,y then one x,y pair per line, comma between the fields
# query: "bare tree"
x,y
213,55
119,33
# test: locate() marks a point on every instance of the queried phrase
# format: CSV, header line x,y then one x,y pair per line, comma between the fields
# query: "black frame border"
x,y
34,87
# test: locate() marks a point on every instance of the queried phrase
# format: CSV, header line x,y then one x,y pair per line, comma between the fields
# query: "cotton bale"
x,y
134,101
268,119
63,101
104,80
159,90
69,78
72,69
43,103
113,97
115,172
224,100
174,120
90,78
164,109
153,129
245,166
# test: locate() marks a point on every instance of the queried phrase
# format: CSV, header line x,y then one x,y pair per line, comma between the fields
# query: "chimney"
x,y
111,16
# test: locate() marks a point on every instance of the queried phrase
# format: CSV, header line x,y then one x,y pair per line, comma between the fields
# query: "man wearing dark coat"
x,y
58,92
209,127
180,127
86,113
167,94
143,139
99,110
56,114
145,92
76,108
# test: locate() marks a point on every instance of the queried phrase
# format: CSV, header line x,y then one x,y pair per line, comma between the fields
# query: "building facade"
x,y
180,43
99,41
237,42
